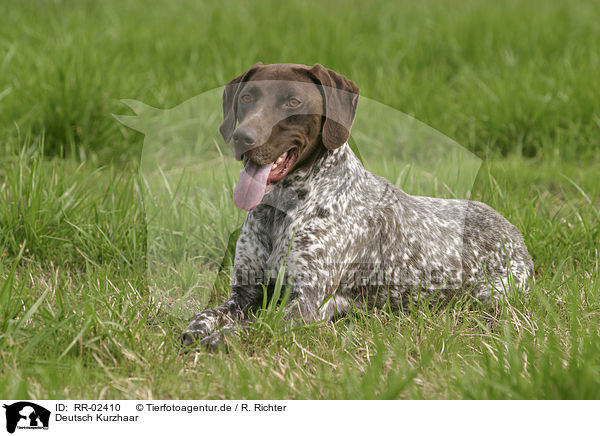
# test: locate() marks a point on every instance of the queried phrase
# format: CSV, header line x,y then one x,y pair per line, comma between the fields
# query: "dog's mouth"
x,y
255,179
282,165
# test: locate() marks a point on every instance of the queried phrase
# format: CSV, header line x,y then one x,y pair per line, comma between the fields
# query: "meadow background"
x,y
515,82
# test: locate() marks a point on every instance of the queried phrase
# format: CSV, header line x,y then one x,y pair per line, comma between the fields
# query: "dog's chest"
x,y
287,213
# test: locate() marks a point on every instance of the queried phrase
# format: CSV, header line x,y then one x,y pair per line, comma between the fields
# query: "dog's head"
x,y
286,115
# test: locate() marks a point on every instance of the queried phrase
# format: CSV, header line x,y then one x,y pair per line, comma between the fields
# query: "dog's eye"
x,y
293,102
246,98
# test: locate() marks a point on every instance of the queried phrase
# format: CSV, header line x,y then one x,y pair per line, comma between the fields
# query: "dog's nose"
x,y
244,136
244,139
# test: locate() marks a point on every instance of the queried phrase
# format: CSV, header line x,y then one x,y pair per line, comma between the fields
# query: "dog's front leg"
x,y
209,326
309,283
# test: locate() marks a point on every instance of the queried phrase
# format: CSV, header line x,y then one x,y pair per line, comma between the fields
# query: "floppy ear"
x,y
340,98
230,95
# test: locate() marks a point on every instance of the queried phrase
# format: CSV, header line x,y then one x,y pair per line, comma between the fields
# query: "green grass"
x,y
80,317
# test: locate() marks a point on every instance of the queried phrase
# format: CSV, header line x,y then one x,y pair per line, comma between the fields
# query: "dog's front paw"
x,y
210,340
204,330
213,341
200,326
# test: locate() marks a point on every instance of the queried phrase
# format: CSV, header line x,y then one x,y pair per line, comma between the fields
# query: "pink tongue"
x,y
251,186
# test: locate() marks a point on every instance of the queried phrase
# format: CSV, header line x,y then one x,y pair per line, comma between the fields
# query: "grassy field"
x,y
514,82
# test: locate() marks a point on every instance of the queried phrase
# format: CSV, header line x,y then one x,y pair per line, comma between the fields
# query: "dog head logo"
x,y
26,415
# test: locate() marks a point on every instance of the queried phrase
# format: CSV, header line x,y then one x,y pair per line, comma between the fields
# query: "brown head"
x,y
286,116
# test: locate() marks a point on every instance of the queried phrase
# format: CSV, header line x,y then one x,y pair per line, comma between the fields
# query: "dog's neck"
x,y
296,188
321,163
331,165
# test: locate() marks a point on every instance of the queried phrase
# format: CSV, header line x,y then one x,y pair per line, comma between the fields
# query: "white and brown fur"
x,y
348,238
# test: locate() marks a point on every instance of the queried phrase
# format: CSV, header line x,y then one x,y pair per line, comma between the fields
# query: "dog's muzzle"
x,y
244,139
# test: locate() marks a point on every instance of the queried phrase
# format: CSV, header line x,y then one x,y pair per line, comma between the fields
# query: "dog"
x,y
345,237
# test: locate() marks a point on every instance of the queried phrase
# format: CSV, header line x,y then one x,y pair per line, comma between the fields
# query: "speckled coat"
x,y
349,238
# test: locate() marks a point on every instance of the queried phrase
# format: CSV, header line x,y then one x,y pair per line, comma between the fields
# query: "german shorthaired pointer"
x,y
346,237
